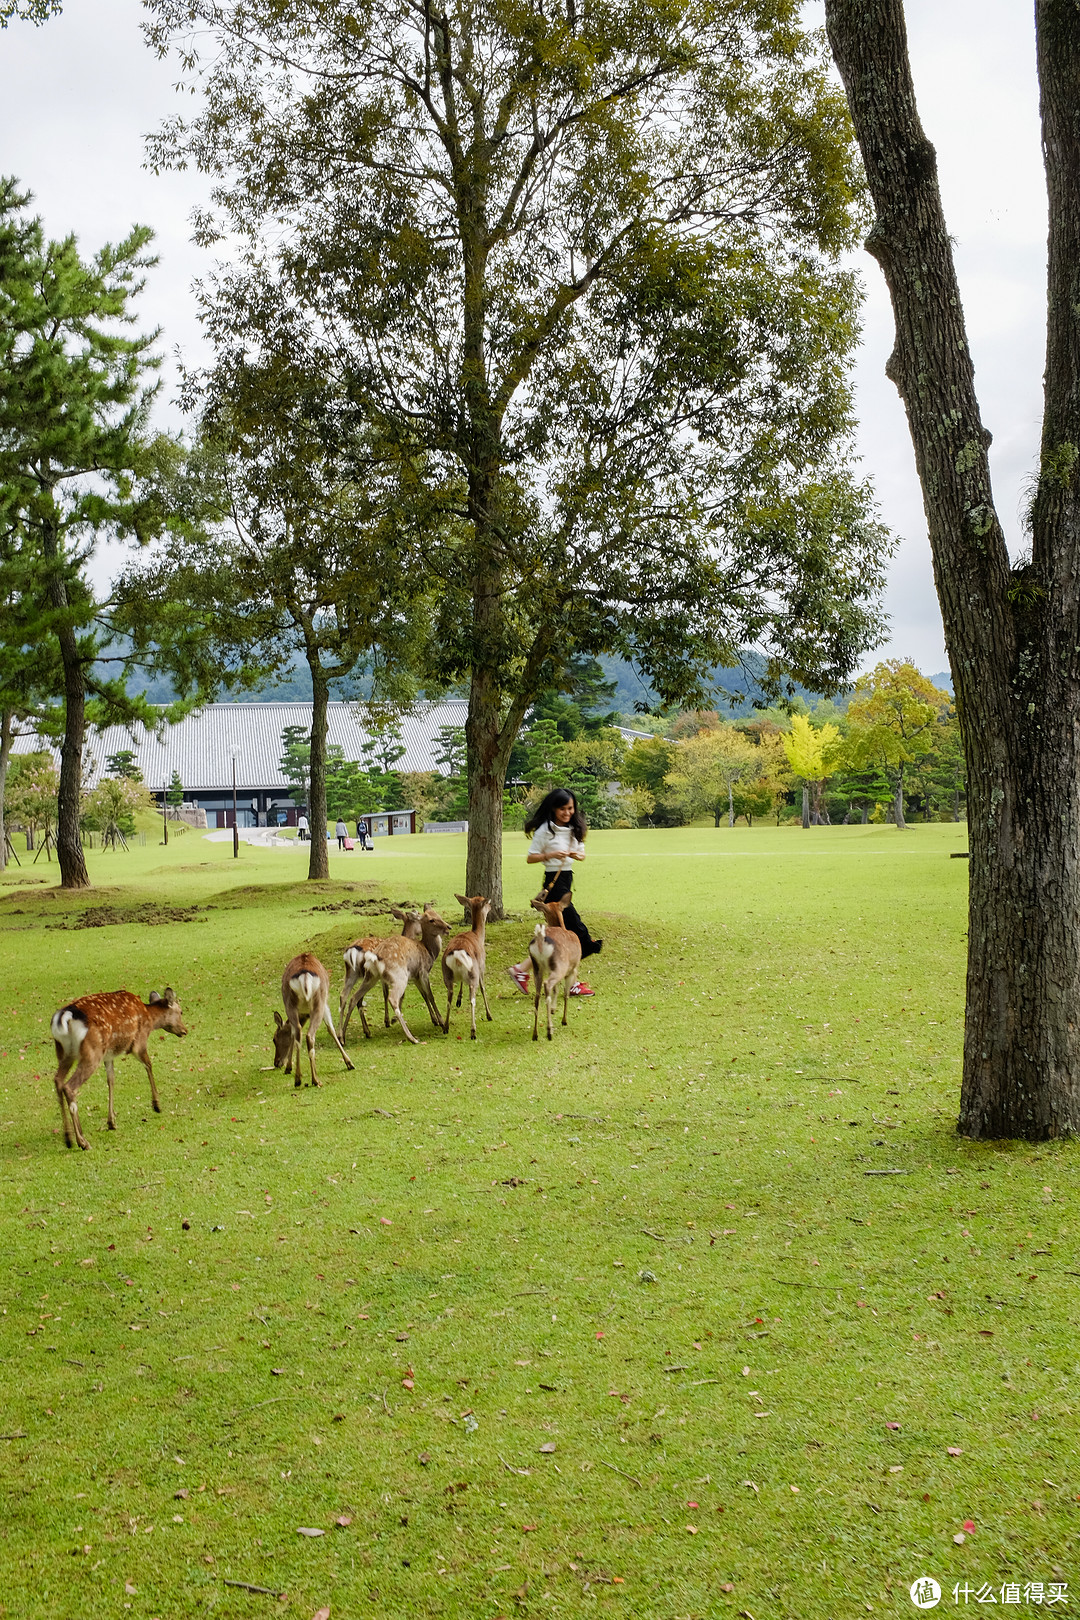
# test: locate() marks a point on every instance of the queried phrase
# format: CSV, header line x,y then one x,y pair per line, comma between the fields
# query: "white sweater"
x,y
554,842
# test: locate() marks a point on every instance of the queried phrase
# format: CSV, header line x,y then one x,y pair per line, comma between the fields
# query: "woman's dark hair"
x,y
547,807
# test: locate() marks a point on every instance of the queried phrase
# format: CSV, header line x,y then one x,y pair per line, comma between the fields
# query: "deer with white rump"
x,y
360,978
556,956
464,960
100,1028
305,990
399,962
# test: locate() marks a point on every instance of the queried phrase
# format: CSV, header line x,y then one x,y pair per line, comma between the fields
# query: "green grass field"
x,y
630,1323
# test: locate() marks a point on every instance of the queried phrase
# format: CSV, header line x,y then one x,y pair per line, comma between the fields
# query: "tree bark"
x,y
898,801
489,741
318,858
1011,634
806,805
69,849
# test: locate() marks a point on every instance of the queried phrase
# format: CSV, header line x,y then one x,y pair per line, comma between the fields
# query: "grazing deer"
x,y
359,980
104,1027
556,957
464,960
399,962
305,990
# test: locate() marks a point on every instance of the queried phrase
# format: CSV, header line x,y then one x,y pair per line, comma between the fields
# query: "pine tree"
x,y
75,458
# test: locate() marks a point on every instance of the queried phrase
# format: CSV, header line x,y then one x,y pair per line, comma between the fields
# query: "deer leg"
x,y
472,1008
385,1005
144,1059
424,986
396,1007
536,1008
460,988
565,998
61,1097
296,1052
110,1077
551,998
310,1036
483,992
71,1092
330,1026
448,982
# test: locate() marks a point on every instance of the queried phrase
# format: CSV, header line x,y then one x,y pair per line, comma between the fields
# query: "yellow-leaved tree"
x,y
813,752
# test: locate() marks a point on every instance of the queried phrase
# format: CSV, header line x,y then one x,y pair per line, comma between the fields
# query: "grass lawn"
x,y
630,1323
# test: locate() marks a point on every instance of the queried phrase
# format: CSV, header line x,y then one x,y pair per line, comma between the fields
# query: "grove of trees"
x,y
571,282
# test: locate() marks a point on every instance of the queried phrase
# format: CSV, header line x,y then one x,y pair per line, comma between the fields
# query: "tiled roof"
x,y
201,747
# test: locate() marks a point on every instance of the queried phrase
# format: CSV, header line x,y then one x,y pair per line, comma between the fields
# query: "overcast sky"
x,y
80,94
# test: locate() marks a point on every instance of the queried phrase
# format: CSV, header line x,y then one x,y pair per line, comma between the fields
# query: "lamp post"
x,y
165,815
235,824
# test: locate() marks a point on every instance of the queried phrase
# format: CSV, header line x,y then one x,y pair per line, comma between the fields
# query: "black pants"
x,y
556,884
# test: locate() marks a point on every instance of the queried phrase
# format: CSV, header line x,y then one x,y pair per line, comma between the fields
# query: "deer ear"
x,y
279,1021
170,997
396,911
462,899
154,999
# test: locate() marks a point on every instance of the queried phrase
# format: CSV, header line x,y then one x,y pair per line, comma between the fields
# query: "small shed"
x,y
390,823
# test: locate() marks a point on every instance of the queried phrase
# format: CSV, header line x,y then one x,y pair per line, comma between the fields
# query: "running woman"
x,y
558,829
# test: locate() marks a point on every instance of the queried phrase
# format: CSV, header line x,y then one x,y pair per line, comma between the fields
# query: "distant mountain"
x,y
738,691
943,682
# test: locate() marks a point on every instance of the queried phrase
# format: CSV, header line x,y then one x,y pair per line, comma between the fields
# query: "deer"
x,y
305,990
399,962
464,960
100,1028
358,981
556,956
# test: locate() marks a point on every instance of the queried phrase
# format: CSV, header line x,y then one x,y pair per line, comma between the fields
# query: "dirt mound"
x,y
370,908
148,915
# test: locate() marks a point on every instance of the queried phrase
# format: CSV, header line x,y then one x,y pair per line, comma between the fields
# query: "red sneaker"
x,y
520,977
581,989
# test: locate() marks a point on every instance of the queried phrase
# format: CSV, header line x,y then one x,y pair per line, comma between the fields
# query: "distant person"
x,y
302,828
363,835
558,830
342,833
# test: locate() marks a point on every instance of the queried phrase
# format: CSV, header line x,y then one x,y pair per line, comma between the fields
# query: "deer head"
x,y
172,1020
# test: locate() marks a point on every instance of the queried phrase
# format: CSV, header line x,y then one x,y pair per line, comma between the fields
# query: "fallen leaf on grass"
x,y
692,1528
343,1522
954,1451
548,1445
276,1372
129,1589
959,1538
528,1527
894,1426
384,1222
181,1495
322,1614
305,1530
969,1525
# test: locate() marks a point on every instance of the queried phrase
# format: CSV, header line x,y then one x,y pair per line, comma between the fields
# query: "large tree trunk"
x,y
489,741
806,804
69,850
318,858
898,801
1011,634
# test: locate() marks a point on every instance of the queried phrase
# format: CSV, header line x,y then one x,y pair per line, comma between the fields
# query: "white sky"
x,y
80,93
